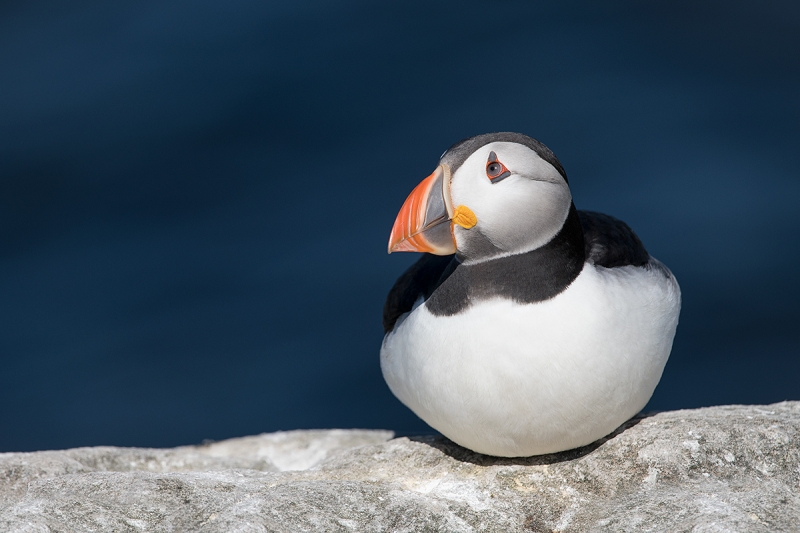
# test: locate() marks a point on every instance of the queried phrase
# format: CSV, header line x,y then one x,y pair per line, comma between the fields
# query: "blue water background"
x,y
195,197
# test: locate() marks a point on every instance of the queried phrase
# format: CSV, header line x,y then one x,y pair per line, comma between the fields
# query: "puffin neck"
x,y
528,277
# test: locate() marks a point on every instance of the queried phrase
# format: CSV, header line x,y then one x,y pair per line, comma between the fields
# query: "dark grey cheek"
x,y
473,244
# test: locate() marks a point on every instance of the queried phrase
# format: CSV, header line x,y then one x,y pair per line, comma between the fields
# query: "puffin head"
x,y
492,195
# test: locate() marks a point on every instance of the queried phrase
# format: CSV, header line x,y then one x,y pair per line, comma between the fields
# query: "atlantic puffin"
x,y
527,327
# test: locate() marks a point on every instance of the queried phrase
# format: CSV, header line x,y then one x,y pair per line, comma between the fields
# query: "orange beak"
x,y
422,225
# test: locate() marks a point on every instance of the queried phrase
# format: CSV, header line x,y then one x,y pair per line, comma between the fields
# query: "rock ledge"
x,y
729,468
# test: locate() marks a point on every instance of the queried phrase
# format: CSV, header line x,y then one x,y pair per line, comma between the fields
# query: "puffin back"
x,y
610,243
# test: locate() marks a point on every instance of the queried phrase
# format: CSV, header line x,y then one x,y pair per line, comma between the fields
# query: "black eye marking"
x,y
495,170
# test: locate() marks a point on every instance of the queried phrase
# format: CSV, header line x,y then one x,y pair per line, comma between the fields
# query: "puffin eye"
x,y
495,170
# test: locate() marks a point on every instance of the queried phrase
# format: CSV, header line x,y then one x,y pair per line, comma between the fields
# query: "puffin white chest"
x,y
514,379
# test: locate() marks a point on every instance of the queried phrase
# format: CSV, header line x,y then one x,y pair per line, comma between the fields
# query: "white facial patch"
x,y
519,213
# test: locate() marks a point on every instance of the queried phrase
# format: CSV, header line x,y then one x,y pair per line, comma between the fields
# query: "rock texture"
x,y
732,468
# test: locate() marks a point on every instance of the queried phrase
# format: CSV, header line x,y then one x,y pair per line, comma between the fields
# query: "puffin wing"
x,y
609,242
421,279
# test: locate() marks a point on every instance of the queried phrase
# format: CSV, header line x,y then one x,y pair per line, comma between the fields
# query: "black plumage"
x,y
449,286
610,242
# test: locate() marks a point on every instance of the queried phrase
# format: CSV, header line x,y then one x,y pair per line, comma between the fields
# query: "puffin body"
x,y
527,327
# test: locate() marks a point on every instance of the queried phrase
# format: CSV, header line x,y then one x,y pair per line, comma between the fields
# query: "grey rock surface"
x,y
730,468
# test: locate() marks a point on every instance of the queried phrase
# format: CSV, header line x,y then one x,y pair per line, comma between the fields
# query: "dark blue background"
x,y
195,197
